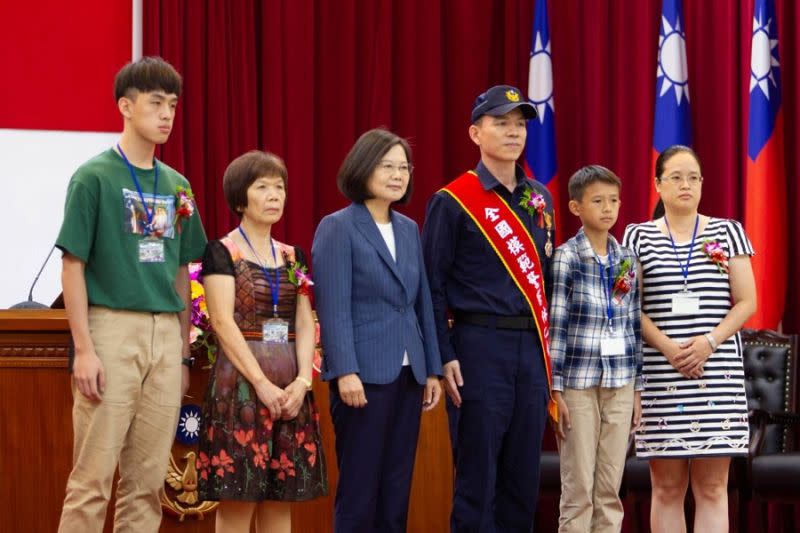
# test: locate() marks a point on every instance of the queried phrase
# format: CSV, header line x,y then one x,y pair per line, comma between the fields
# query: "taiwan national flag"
x,y
540,148
765,186
673,122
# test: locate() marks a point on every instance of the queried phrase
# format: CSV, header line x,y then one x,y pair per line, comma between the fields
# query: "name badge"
x,y
685,303
151,251
275,330
613,344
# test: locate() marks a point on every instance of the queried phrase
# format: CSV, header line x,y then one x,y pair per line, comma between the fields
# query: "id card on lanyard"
x,y
612,342
684,302
274,329
151,250
151,247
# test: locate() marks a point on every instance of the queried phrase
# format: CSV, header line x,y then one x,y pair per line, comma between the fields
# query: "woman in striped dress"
x,y
698,290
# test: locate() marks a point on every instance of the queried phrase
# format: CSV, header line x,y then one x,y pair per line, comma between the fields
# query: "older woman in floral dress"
x,y
260,441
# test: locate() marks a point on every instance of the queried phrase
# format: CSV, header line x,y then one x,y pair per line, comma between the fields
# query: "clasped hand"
x,y
282,403
690,356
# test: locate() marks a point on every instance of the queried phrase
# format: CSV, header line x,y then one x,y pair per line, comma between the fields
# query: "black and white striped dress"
x,y
690,417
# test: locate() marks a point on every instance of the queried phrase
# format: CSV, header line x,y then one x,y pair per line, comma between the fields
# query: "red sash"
x,y
514,246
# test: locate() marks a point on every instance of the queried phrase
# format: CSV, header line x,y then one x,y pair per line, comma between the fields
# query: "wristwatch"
x,y
711,341
188,361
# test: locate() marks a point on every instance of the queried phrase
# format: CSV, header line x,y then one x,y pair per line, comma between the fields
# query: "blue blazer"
x,y
372,309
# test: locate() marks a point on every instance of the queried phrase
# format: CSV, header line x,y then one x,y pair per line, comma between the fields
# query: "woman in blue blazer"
x,y
378,335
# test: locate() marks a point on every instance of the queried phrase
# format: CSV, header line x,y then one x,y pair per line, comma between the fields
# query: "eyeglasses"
x,y
677,179
389,168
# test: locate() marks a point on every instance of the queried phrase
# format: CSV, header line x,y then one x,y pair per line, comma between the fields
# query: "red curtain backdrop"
x,y
304,78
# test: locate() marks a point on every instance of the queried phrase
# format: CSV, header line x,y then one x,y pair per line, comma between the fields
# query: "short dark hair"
x,y
244,170
590,174
363,159
146,75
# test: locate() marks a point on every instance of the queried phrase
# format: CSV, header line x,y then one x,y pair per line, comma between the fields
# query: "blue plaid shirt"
x,y
579,317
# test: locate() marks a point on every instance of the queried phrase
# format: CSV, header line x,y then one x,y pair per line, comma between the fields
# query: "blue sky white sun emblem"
x,y
672,71
763,56
540,77
189,424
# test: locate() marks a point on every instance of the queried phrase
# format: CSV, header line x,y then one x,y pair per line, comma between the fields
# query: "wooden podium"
x,y
36,439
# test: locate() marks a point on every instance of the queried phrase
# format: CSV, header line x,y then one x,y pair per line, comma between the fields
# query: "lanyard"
x,y
684,269
608,286
274,289
147,212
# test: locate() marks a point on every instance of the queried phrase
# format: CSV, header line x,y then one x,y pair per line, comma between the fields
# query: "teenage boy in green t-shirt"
x,y
130,229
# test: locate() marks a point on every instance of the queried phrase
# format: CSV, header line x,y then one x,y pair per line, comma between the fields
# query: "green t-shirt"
x,y
104,221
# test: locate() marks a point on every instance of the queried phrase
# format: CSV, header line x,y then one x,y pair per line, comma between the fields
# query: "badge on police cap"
x,y
512,95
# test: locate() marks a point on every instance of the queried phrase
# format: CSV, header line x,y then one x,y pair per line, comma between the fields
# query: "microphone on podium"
x,y
29,303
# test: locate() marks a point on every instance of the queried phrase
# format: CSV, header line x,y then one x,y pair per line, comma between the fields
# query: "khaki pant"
x,y
134,424
593,458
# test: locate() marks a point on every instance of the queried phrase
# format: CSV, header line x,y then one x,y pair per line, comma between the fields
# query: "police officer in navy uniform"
x,y
494,369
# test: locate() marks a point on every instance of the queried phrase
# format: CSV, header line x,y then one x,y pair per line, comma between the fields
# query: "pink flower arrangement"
x,y
537,202
298,276
716,254
534,204
200,336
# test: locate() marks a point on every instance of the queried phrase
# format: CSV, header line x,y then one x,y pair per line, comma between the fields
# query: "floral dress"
x,y
243,453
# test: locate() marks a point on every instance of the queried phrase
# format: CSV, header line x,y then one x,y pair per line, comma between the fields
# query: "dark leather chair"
x,y
636,487
550,473
769,368
549,482
772,470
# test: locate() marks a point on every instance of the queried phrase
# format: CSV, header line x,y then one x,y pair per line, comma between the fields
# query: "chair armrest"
x,y
785,418
759,418
762,419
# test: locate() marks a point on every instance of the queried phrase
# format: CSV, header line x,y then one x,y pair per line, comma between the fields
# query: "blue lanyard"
x,y
274,289
684,269
608,286
147,212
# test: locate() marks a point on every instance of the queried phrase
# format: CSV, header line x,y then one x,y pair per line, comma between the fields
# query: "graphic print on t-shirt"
x,y
134,218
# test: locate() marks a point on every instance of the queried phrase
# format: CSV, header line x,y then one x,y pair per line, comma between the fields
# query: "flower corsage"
x,y
534,204
624,280
184,205
298,276
296,271
716,254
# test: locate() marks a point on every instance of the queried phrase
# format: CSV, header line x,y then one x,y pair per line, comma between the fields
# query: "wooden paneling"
x,y
35,419
36,439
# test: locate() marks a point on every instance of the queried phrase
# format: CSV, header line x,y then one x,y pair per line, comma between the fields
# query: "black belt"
x,y
522,322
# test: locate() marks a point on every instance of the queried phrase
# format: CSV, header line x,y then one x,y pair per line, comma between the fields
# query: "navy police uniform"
x,y
497,432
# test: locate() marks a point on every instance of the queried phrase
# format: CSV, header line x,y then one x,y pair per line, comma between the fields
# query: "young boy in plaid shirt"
x,y
596,352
